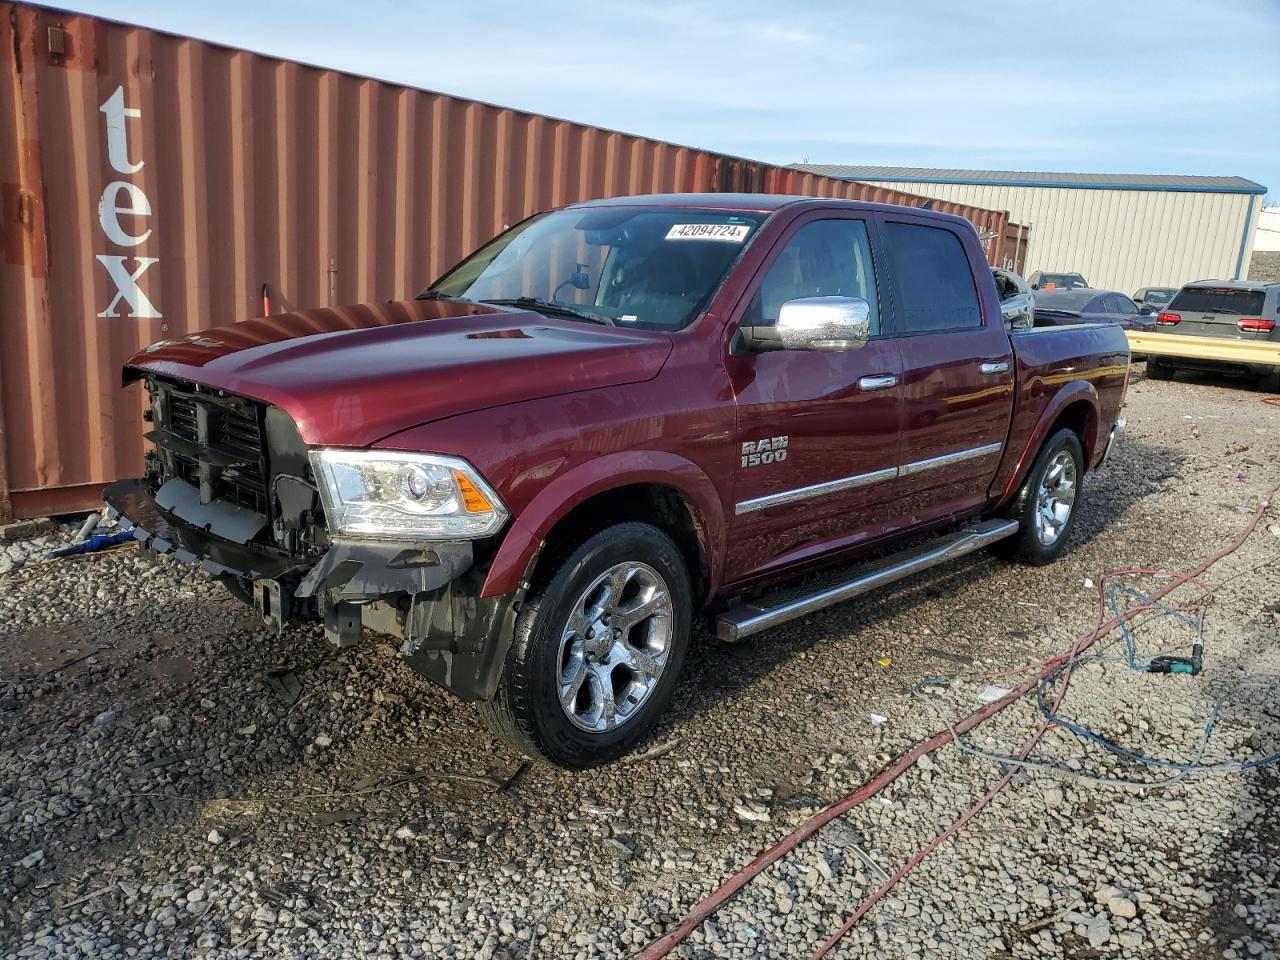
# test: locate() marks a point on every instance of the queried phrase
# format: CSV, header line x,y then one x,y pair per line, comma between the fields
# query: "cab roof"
x,y
753,203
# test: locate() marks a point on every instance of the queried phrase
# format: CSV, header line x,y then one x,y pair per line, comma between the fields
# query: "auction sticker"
x,y
732,232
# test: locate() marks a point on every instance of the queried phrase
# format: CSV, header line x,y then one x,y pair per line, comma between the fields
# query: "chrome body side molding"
x,y
863,479
920,466
816,490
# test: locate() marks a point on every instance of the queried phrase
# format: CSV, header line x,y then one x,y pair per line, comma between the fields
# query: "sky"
x,y
1124,86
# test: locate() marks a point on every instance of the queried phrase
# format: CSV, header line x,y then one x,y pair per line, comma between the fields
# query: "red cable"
x,y
1178,579
1272,401
663,946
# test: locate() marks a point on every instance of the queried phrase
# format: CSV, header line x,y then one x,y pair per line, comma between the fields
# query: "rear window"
x,y
1063,279
1218,300
935,284
1075,300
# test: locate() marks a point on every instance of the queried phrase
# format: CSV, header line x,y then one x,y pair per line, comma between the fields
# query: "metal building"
x,y
1121,231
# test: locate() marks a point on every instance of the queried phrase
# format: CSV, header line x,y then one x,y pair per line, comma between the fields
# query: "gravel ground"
x,y
176,781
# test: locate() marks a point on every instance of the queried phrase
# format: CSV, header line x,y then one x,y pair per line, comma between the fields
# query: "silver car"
x,y
1232,309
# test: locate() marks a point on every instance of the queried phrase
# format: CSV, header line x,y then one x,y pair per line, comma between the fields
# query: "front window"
x,y
825,258
653,268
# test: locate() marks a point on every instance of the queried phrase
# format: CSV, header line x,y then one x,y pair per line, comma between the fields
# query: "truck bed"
x,y
1056,367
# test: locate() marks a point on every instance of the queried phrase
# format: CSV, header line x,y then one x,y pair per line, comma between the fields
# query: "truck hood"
x,y
350,376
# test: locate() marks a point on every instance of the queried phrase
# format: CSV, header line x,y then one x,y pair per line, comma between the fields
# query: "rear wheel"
x,y
1045,506
1158,370
597,650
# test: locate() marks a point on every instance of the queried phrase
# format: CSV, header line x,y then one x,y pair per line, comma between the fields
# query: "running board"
x,y
741,622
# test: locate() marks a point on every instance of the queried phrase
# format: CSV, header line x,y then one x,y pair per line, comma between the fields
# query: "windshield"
x,y
654,268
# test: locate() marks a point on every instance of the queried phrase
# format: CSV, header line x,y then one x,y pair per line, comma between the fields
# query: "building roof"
x,y
1021,178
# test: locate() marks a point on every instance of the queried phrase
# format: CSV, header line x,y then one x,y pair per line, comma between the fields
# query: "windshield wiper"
x,y
437,295
555,309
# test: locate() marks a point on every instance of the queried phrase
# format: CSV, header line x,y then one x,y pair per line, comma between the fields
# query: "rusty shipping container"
x,y
152,185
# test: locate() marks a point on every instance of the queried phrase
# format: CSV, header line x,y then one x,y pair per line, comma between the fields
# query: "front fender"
x,y
566,491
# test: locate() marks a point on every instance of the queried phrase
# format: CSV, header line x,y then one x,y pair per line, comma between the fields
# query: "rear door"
x,y
817,430
1217,312
957,360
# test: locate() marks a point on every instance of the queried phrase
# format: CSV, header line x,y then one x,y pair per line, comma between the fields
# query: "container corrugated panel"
x,y
153,185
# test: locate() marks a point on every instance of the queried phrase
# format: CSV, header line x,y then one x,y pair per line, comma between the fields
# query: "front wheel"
x,y
597,650
1045,506
1158,369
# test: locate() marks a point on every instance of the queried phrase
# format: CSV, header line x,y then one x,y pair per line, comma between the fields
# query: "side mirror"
x,y
1019,311
814,323
1146,310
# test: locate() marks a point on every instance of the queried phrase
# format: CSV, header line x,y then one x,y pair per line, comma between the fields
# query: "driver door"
x,y
818,431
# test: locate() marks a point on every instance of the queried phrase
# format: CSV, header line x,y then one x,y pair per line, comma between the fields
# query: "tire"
x,y
1158,370
625,568
1271,380
1031,544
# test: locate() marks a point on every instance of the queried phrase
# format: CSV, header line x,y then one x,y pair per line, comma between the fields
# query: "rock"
x,y
1106,892
618,849
322,741
216,836
264,915
1130,939
1122,907
1099,930
1054,797
752,811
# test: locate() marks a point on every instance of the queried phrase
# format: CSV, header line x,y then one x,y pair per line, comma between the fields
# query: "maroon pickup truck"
x,y
612,419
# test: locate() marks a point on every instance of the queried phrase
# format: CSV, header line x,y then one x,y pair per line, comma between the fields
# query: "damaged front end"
x,y
232,486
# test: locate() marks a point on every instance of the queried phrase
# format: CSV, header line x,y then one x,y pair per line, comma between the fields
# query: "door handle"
x,y
881,381
991,369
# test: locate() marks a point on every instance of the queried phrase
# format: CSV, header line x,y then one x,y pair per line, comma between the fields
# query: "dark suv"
x,y
1231,309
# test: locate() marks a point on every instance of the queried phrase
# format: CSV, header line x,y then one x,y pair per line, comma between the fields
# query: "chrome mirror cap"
x,y
824,323
1019,310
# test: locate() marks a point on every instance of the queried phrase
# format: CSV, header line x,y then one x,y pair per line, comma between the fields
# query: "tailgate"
x,y
1215,325
1216,312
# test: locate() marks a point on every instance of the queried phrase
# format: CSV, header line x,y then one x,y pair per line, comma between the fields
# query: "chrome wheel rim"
x,y
1055,498
614,647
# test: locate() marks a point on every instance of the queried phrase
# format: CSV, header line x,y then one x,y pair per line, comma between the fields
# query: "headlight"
x,y
391,495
